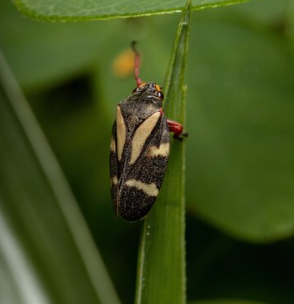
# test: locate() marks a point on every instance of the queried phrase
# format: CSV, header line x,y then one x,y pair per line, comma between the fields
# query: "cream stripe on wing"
x,y
149,189
121,133
114,180
141,134
162,150
112,145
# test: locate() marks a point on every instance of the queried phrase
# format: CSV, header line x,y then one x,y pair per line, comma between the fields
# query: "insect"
x,y
139,149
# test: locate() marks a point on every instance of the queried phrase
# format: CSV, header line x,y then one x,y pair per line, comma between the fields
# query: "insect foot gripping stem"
x,y
177,129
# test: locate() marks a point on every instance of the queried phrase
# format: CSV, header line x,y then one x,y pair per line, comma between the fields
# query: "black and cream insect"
x,y
139,149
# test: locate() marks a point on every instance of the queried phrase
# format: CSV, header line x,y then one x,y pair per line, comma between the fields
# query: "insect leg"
x,y
176,128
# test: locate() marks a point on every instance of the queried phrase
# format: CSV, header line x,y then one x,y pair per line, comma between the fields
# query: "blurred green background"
x,y
240,149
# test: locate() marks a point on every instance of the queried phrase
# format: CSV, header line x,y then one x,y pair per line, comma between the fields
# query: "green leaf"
x,y
54,10
240,152
46,250
161,265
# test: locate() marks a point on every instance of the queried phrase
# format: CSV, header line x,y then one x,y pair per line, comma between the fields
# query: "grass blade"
x,y
161,265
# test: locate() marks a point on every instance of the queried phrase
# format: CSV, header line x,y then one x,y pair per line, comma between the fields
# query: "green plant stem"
x,y
161,264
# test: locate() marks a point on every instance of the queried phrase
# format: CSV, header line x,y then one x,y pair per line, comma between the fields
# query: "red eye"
x,y
160,95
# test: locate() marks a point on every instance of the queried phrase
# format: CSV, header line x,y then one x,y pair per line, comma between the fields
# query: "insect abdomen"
x,y
139,192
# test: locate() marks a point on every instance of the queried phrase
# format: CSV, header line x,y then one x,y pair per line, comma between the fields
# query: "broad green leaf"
x,y
46,251
161,265
240,173
77,10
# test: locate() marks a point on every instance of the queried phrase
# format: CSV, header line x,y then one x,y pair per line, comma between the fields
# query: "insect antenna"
x,y
137,63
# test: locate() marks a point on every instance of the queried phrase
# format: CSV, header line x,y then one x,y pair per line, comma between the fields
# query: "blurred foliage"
x,y
243,120
46,250
240,164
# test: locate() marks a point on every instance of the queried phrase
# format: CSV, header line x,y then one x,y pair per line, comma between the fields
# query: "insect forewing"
x,y
143,171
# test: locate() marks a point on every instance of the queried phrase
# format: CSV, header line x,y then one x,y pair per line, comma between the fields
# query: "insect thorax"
x,y
140,105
